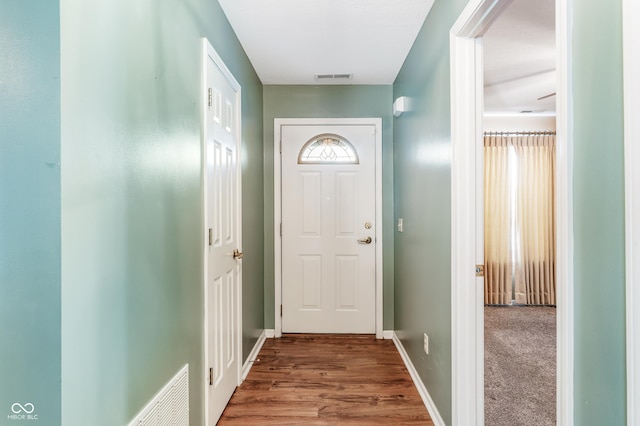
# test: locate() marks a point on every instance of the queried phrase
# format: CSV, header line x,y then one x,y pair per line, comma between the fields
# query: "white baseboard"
x,y
388,334
253,355
422,389
269,333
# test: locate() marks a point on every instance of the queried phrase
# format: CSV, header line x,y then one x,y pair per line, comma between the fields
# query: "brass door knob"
x,y
237,254
367,240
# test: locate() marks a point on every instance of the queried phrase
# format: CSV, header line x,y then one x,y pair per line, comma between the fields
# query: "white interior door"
x,y
328,229
223,236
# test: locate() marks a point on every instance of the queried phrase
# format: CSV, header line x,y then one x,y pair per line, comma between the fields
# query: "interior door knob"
x,y
237,254
365,241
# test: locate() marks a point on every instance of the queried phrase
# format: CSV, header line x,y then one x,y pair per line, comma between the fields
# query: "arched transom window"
x,y
328,148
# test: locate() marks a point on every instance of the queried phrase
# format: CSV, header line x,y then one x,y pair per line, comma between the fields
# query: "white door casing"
x,y
631,40
328,232
466,137
222,233
279,123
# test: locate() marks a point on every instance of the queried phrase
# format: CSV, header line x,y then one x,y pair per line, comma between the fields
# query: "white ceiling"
x,y
520,59
290,41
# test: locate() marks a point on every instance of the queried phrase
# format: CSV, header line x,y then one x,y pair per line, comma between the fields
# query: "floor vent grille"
x,y
170,406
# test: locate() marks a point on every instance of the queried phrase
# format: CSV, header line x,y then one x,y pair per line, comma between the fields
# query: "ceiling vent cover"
x,y
334,76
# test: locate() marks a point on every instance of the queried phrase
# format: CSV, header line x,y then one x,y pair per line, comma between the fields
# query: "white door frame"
x,y
277,205
466,136
631,60
209,51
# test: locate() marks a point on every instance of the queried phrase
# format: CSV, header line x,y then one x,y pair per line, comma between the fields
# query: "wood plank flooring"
x,y
315,379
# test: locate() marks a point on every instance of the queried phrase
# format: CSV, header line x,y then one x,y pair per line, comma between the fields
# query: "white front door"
x,y
328,228
222,235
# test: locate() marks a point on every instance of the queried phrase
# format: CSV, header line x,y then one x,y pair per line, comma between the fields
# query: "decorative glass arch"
x,y
328,148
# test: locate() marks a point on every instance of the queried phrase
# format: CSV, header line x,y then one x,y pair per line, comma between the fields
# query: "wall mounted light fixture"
x,y
400,105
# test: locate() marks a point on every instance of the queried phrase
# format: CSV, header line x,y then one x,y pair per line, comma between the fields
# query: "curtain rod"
x,y
549,132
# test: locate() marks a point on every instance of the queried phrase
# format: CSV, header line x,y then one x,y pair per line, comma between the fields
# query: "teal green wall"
x,y
30,208
132,296
598,214
330,102
422,182
123,225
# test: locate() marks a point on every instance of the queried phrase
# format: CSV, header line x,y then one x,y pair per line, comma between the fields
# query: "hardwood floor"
x,y
315,379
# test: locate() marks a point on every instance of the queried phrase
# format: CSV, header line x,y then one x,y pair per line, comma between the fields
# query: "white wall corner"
x,y
422,389
269,333
388,334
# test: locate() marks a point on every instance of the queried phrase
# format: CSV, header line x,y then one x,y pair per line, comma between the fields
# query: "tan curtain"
x,y
535,220
519,219
498,268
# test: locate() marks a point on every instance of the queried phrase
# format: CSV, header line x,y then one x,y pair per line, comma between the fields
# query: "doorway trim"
x,y
466,164
209,51
631,64
277,207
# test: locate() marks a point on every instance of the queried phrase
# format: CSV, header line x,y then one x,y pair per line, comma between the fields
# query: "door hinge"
x,y
281,229
280,145
280,310
210,236
210,376
210,97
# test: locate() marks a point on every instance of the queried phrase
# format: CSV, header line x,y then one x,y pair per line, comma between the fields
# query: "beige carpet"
x,y
520,366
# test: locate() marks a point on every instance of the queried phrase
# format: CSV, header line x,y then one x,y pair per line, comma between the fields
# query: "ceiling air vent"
x,y
334,76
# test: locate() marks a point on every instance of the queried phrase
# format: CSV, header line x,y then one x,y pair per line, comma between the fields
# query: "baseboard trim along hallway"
x,y
422,389
254,354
